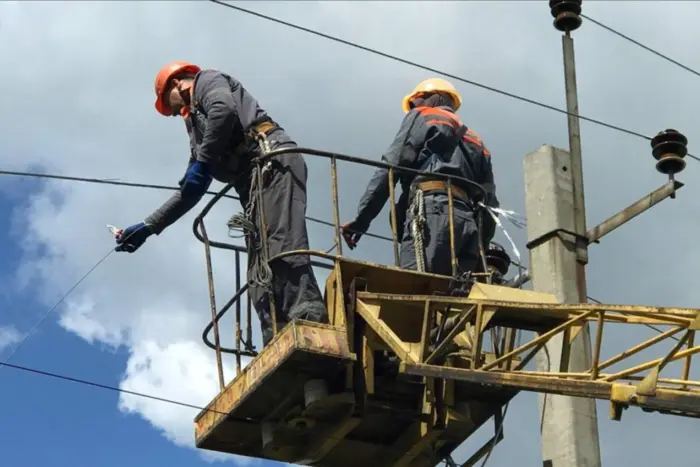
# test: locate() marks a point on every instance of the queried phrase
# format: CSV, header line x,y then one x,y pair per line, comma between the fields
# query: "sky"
x,y
79,101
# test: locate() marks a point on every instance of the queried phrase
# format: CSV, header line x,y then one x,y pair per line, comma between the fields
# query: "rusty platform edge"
x,y
305,336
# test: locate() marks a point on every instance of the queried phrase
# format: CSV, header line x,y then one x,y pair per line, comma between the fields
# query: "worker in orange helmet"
x,y
227,129
432,139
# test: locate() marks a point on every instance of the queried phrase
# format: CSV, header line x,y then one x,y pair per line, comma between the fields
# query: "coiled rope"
x,y
259,270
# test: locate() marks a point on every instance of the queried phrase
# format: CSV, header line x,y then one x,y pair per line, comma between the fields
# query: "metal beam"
x,y
665,400
667,190
633,210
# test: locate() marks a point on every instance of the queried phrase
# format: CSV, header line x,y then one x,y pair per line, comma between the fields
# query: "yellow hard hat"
x,y
433,85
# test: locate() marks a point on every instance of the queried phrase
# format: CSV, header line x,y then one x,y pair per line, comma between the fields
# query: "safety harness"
x,y
418,220
417,203
252,220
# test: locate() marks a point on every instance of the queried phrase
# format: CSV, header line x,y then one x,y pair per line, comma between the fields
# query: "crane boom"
x,y
371,389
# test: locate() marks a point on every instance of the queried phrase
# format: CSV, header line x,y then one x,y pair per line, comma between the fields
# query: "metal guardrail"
x,y
244,346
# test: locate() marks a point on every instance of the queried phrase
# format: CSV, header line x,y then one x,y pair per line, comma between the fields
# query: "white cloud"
x,y
9,336
181,372
80,90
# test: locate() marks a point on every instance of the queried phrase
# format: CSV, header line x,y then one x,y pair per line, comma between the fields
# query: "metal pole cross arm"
x,y
595,234
667,190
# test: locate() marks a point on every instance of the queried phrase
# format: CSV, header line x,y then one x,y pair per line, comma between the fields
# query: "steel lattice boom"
x,y
373,389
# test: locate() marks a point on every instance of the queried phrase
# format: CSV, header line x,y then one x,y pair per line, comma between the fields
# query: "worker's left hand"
x,y
352,232
131,238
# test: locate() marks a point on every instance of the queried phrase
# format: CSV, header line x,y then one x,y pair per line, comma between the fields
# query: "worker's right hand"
x,y
131,238
352,232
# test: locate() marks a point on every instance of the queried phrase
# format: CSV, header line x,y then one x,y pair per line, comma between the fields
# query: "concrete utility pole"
x,y
568,425
558,245
556,216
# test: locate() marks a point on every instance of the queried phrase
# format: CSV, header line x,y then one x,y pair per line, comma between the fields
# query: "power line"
x,y
164,187
391,57
105,386
639,44
467,81
102,386
370,50
150,186
103,181
111,250
432,70
125,391
51,310
136,393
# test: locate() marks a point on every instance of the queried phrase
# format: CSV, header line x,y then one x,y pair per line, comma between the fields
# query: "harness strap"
x,y
417,223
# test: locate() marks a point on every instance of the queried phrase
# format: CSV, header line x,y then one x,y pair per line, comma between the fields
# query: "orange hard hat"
x,y
433,85
163,78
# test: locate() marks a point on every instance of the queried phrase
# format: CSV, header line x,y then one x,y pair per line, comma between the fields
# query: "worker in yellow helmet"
x,y
432,139
227,129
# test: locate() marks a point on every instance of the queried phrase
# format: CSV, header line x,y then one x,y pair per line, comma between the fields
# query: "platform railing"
x,y
243,345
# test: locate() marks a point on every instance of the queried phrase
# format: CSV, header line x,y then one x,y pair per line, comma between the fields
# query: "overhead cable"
x,y
143,185
149,186
103,181
105,386
432,70
639,44
53,308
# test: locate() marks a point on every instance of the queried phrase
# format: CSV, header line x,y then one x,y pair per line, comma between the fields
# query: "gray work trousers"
x,y
436,237
296,291
436,242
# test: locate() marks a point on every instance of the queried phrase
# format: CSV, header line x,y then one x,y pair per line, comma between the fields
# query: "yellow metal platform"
x,y
270,388
371,389
370,415
262,413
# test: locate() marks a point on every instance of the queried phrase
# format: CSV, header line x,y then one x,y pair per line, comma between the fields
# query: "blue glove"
x,y
133,237
196,181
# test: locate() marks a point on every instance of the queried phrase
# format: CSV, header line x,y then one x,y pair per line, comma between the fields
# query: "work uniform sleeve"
x,y
489,182
401,152
488,225
173,209
215,97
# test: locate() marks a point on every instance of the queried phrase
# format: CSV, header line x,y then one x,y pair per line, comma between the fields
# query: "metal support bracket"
x,y
648,385
621,395
580,242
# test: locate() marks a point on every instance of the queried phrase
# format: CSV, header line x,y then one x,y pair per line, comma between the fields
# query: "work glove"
x,y
352,232
131,238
